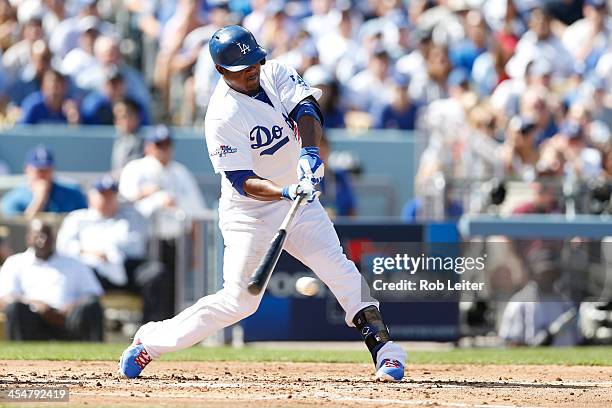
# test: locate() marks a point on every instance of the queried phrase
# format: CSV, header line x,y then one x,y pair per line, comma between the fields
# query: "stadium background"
x,y
445,114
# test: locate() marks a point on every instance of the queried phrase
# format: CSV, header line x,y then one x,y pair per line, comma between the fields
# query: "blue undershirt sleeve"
x,y
238,177
308,107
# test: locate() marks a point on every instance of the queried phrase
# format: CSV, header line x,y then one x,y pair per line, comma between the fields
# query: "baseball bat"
x,y
546,336
262,273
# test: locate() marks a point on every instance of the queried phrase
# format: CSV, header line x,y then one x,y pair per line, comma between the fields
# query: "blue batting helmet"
x,y
235,48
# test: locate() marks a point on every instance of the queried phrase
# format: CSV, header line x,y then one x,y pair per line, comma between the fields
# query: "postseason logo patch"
x,y
224,150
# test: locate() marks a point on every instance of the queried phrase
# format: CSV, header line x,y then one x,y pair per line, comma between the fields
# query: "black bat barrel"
x,y
267,264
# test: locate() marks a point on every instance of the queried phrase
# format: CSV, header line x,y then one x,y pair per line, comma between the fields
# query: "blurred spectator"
x,y
112,240
183,89
429,85
542,44
303,53
537,105
50,104
445,122
324,16
594,96
157,181
179,46
97,106
539,314
255,19
581,160
369,87
400,112
319,77
607,164
205,78
46,295
545,199
42,193
414,63
55,12
82,57
128,144
278,30
588,38
18,55
30,78
464,53
151,16
337,195
9,27
520,154
489,68
342,37
106,50
5,248
506,98
483,158
67,33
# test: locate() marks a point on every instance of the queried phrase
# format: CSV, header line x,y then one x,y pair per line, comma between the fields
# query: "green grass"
x,y
82,351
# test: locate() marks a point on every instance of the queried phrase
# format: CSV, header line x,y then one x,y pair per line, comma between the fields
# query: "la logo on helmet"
x,y
244,48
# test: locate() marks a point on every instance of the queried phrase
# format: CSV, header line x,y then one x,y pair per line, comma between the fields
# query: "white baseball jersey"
x,y
244,133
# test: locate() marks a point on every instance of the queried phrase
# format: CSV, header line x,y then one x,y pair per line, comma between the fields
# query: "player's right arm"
x,y
262,189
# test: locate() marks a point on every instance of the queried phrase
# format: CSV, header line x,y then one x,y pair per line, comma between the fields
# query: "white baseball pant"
x,y
311,239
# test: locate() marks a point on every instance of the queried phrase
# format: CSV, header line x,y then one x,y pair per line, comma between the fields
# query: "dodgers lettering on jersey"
x,y
244,133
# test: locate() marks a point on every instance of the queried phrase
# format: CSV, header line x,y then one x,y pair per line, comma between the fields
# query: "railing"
x,y
388,158
198,260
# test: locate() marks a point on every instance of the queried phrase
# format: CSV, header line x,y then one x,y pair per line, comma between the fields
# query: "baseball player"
x,y
262,128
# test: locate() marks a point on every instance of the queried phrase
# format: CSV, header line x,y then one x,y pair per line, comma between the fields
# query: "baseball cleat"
x,y
133,360
390,370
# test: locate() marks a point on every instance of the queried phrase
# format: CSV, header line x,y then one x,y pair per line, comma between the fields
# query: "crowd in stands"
x,y
104,242
500,88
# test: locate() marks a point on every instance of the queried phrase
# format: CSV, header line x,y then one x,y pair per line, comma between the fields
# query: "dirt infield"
x,y
218,384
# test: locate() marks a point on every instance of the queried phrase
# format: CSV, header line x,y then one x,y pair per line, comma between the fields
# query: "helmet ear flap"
x,y
262,62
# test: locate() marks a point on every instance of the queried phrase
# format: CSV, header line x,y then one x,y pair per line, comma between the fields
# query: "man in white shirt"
x,y
539,314
111,239
46,295
540,43
158,182
589,36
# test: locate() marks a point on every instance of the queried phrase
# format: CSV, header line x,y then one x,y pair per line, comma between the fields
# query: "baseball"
x,y
307,286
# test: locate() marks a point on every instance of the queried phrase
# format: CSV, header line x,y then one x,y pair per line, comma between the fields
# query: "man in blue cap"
x,y
42,193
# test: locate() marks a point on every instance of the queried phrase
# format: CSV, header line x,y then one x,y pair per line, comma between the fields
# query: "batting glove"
x,y
303,188
310,166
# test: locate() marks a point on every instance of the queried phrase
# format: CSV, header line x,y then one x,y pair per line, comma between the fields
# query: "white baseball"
x,y
307,286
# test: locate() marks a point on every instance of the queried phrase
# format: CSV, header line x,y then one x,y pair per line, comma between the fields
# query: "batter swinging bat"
x,y
260,277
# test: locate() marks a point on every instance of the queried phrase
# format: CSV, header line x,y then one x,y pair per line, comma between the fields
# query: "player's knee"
x,y
249,304
239,303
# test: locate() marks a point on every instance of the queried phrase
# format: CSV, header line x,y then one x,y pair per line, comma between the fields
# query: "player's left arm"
x,y
309,119
301,101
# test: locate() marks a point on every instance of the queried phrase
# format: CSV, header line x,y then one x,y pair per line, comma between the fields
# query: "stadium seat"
x,y
122,313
